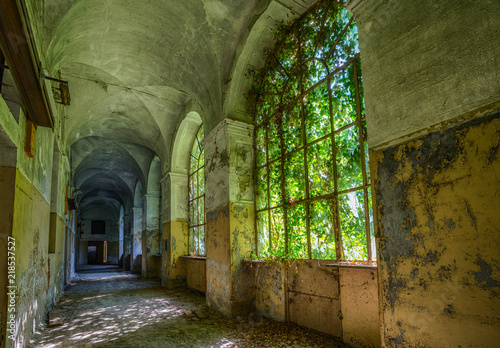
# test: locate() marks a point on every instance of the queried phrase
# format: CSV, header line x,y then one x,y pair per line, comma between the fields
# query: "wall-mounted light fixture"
x,y
61,94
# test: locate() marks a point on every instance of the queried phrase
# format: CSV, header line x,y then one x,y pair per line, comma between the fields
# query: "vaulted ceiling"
x,y
132,67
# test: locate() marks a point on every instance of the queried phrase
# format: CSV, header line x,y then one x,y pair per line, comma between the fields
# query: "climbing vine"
x,y
313,198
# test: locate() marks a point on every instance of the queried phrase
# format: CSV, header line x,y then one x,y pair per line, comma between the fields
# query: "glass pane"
x,y
275,184
347,46
313,72
192,187
195,212
321,214
201,181
191,241
202,240
295,177
297,232
352,226
191,214
343,98
372,226
292,133
319,162
260,144
277,232
195,156
317,114
331,29
196,240
201,210
274,144
261,188
348,159
367,153
263,234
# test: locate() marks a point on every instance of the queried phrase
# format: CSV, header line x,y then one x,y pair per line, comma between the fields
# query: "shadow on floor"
x,y
105,308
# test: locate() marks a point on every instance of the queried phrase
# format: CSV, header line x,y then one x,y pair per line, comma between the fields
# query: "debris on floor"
x,y
120,309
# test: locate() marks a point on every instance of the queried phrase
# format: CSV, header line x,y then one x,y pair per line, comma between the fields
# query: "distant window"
x,y
196,201
98,227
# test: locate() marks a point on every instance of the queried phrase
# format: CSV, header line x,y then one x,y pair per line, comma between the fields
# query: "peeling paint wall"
x,y
175,243
339,301
151,238
230,235
30,230
196,273
359,305
270,289
314,296
438,199
7,187
174,239
39,276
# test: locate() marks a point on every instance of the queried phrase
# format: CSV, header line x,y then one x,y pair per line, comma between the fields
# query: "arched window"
x,y
313,198
196,200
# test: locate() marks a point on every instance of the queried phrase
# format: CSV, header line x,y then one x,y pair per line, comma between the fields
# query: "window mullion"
x,y
363,160
304,142
335,198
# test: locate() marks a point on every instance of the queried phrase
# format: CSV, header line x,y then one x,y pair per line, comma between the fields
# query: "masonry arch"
x,y
175,202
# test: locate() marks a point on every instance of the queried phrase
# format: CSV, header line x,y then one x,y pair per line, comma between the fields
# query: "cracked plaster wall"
x,y
39,275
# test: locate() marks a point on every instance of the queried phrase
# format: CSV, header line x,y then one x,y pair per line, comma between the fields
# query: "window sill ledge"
x,y
189,257
351,265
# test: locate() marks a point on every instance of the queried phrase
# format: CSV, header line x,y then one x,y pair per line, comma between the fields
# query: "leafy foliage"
x,y
312,178
196,203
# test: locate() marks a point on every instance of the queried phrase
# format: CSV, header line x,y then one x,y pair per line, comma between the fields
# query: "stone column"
x,y
151,236
121,239
229,208
174,229
126,242
136,242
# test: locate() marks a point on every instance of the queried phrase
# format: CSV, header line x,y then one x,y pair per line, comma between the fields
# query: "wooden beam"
x,y
15,45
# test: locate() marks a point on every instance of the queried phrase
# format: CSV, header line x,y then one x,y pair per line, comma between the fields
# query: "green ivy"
x,y
312,185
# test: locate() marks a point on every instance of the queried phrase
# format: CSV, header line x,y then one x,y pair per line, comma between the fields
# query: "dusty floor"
x,y
111,308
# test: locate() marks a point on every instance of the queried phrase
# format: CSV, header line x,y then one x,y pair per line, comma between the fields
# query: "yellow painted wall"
x,y
31,232
175,237
339,301
359,306
196,273
7,184
438,209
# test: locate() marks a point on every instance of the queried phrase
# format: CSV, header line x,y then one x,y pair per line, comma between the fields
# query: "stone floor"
x,y
106,307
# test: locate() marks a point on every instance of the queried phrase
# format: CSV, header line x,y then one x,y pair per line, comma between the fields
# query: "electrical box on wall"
x,y
29,146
